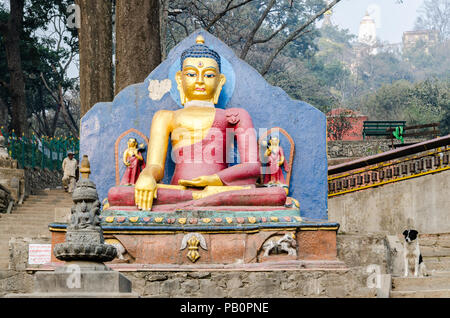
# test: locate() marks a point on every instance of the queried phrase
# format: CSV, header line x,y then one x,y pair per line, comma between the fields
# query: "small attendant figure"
x,y
275,159
132,158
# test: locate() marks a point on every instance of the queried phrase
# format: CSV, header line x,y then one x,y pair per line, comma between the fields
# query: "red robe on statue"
x,y
274,173
133,170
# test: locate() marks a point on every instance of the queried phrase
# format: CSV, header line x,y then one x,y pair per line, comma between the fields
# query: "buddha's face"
x,y
200,79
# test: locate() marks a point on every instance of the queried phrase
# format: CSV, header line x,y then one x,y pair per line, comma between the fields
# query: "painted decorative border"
x,y
116,149
389,172
163,227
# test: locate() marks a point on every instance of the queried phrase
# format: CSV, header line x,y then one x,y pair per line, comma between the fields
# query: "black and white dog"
x,y
413,259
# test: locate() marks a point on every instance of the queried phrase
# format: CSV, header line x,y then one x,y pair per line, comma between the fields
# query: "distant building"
x,y
345,124
411,38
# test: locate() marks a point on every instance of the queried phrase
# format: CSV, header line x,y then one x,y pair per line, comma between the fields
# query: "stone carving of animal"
x,y
285,244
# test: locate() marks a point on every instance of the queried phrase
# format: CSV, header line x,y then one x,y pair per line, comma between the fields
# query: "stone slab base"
x,y
72,282
292,265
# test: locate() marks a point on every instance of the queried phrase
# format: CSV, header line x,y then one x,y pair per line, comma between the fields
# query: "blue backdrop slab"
x,y
269,107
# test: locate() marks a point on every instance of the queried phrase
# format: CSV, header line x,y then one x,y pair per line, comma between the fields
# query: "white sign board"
x,y
39,253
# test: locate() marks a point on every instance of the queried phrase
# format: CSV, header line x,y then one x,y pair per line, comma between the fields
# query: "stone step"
x,y
437,265
27,232
442,239
437,273
46,201
39,209
428,259
48,197
28,217
29,212
23,224
432,293
16,217
4,262
420,283
49,194
28,221
428,251
41,206
24,216
7,236
36,212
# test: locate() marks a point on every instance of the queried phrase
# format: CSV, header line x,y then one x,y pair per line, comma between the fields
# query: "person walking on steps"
x,y
69,166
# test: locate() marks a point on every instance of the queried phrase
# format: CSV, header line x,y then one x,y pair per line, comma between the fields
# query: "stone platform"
x,y
82,279
214,238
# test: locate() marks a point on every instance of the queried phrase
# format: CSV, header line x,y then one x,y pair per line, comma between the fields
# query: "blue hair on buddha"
x,y
200,50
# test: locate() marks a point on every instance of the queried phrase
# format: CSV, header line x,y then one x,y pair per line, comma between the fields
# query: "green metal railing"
x,y
40,152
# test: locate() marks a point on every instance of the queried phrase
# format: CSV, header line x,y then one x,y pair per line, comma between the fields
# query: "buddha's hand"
x,y
144,190
202,181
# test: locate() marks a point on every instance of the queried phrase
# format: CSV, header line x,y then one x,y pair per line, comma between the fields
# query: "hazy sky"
x,y
392,18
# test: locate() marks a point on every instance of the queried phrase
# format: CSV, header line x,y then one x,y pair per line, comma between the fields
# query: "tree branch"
x,y
55,97
294,35
184,27
251,35
221,14
259,41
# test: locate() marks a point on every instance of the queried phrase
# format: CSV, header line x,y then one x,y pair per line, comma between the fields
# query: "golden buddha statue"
x,y
198,133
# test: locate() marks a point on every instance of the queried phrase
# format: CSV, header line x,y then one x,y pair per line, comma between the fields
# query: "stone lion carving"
x,y
285,244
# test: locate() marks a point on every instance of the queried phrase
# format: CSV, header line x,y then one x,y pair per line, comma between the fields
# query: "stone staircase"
x,y
31,219
435,249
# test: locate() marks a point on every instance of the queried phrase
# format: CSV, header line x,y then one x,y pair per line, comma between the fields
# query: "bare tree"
x,y
59,73
246,23
297,33
339,124
435,15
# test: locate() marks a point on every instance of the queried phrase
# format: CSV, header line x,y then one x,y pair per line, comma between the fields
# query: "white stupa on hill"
x,y
367,34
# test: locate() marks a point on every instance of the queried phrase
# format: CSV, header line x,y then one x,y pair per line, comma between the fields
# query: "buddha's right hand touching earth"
x,y
145,189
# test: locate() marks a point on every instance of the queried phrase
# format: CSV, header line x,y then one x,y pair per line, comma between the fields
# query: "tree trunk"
x,y
163,22
138,47
16,83
95,42
3,114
